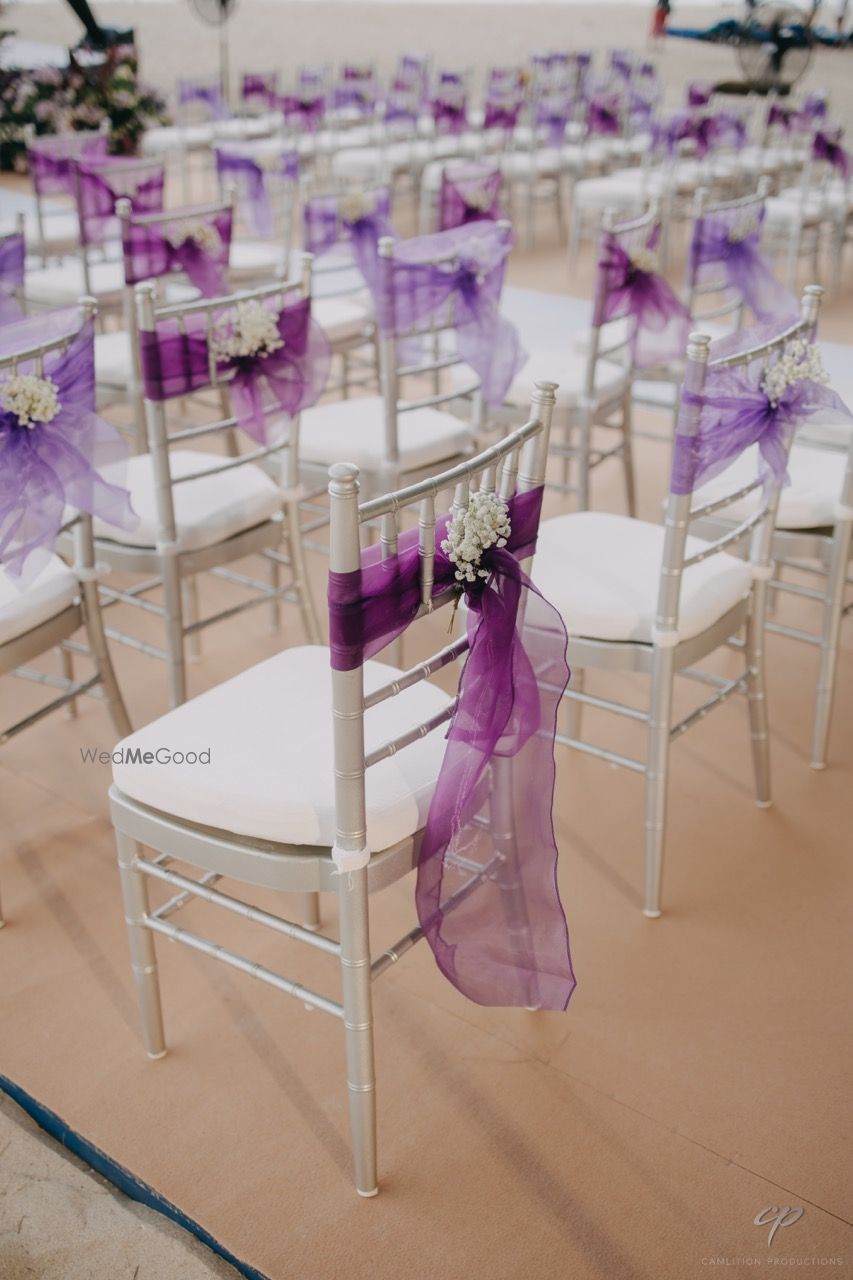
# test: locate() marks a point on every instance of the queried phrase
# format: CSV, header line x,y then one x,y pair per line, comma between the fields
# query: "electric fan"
x,y
775,45
217,13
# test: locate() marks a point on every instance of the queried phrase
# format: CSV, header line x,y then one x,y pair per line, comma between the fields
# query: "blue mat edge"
x,y
116,1173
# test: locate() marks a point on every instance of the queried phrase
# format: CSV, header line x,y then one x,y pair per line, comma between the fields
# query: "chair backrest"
x,y
514,467
471,191
99,185
187,347
610,333
13,255
201,99
711,293
259,90
51,161
692,463
419,287
266,177
341,228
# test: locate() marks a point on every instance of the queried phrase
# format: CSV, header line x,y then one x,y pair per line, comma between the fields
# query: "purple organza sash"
x,y
306,111
735,413
449,114
153,251
827,146
723,128
53,160
53,465
552,115
357,89
286,381
328,221
416,288
100,190
501,115
699,93
465,197
260,87
785,117
725,240
661,320
502,940
814,107
604,115
12,260
250,178
209,95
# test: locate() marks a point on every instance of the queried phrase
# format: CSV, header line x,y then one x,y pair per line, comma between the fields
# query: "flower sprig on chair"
x,y
800,362
745,224
644,259
202,234
483,524
31,399
252,333
355,206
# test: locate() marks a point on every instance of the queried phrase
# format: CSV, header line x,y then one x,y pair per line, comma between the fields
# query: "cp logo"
x,y
777,1218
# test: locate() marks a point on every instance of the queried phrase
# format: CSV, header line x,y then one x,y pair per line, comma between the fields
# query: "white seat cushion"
x,y
113,364
53,590
172,138
808,502
546,162
625,187
59,229
342,319
566,367
354,431
64,284
603,573
206,511
271,771
264,258
785,209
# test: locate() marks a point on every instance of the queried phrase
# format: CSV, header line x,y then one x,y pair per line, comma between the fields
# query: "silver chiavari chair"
x,y
51,160
658,599
62,600
201,511
258,259
310,812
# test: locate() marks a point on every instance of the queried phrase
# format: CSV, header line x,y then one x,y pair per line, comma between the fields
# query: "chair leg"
x,y
103,661
310,911
66,660
584,445
574,710
657,780
274,580
142,954
189,596
358,1026
757,694
628,454
836,581
300,574
174,628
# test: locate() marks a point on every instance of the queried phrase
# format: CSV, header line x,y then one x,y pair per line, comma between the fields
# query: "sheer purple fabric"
x,y
729,240
827,146
52,160
249,176
723,128
176,362
469,195
500,935
501,115
12,259
814,106
735,413
99,191
153,251
552,115
699,93
604,115
357,90
661,322
260,87
416,288
450,114
307,111
208,95
787,118
53,465
360,221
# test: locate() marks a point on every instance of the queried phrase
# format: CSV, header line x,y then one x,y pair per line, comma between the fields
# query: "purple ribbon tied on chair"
x,y
420,288
630,286
53,160
307,110
260,87
465,197
699,93
449,113
274,362
730,239
501,115
12,260
604,115
498,934
249,174
101,189
827,146
197,246
736,412
208,95
357,218
786,117
52,445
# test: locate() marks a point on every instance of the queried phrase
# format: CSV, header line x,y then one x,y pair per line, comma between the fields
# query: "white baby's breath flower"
x,y
203,234
479,200
30,398
799,362
644,260
355,205
743,226
484,523
253,331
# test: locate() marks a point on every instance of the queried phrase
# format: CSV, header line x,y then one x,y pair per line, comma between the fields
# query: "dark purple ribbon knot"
x,y
628,288
827,146
725,240
498,934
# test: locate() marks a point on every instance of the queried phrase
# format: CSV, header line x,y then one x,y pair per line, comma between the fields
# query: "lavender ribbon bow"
x,y
502,940
450,115
827,146
661,320
735,413
501,115
53,465
418,288
603,115
249,176
307,111
699,93
148,254
53,160
209,95
326,225
717,242
290,379
99,195
12,259
257,86
469,197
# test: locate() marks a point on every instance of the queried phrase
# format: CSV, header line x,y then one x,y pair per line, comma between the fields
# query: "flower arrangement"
x,y
744,225
799,362
77,98
479,200
252,334
31,399
483,524
643,259
356,205
202,234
